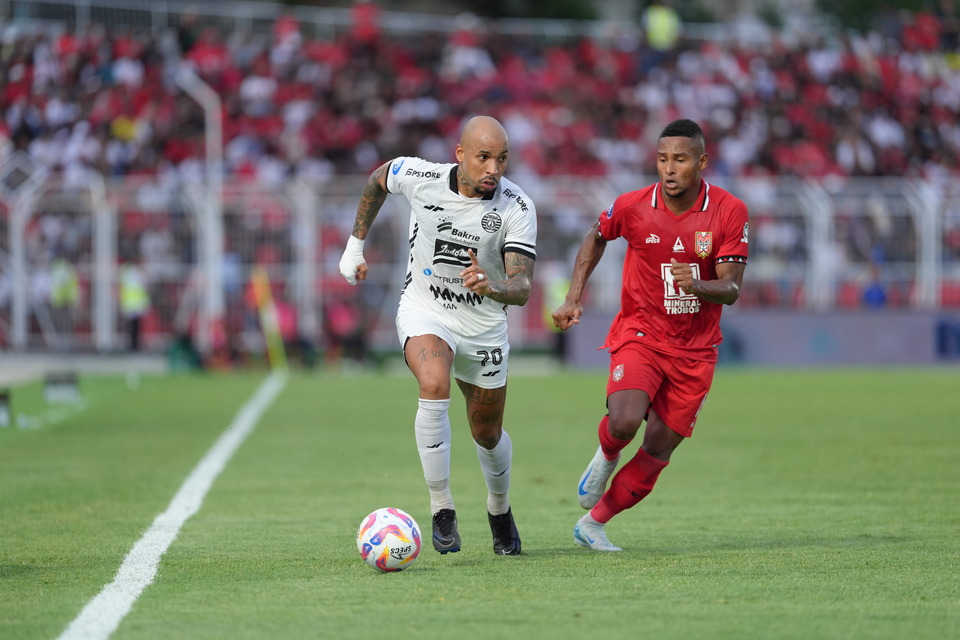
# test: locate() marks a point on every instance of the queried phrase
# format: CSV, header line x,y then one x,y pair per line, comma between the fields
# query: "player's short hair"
x,y
684,128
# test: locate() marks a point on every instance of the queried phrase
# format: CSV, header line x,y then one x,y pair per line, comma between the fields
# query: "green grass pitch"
x,y
808,504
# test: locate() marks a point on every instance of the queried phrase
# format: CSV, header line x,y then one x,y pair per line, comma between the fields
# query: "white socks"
x,y
432,429
433,433
495,464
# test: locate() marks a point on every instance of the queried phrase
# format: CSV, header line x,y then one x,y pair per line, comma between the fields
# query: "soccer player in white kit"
x,y
472,251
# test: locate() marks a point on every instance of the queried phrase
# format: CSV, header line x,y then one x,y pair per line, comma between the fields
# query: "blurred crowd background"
x,y
319,97
883,102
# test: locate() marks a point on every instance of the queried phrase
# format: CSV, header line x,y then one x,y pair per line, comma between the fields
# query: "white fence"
x,y
884,244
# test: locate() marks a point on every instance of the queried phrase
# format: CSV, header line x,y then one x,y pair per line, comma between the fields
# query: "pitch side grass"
x,y
808,504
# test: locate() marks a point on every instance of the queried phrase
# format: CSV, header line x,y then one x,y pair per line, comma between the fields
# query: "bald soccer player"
x,y
472,250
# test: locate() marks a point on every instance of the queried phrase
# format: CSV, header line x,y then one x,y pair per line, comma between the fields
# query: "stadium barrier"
x,y
804,338
879,245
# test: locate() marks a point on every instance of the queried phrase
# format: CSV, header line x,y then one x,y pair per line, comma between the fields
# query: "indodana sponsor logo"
x,y
446,252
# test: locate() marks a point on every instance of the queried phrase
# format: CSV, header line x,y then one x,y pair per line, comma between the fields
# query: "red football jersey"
x,y
653,309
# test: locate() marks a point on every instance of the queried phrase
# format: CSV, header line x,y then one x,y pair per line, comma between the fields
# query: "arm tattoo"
x,y
371,200
516,288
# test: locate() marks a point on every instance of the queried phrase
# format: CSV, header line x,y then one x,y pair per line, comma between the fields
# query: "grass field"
x,y
809,504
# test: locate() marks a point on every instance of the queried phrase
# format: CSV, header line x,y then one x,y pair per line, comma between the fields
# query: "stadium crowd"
x,y
882,103
105,99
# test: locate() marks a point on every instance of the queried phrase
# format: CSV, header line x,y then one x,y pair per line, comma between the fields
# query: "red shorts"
x,y
677,386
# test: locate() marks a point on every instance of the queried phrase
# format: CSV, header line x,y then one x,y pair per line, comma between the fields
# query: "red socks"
x,y
611,446
629,486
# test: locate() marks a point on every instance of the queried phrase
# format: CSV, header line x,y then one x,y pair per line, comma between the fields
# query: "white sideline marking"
x,y
102,615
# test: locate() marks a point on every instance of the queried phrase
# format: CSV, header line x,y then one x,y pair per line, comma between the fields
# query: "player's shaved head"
x,y
483,130
482,156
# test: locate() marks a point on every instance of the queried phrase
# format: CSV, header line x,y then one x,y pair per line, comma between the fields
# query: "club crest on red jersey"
x,y
617,374
704,243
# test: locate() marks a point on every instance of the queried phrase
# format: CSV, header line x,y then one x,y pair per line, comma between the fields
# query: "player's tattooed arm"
x,y
373,196
516,288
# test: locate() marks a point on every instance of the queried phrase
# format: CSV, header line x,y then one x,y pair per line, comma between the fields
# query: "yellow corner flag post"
x,y
269,322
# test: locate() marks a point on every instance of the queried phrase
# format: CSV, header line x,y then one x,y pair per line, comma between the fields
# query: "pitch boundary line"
x,y
102,615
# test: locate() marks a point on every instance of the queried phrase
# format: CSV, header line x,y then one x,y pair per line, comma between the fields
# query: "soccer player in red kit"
x,y
686,253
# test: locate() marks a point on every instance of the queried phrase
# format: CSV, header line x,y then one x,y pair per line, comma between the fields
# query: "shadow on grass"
x,y
11,570
695,548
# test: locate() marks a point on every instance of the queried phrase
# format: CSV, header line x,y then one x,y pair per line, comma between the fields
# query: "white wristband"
x,y
352,259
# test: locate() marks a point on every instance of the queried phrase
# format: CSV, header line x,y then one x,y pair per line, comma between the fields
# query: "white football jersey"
x,y
443,226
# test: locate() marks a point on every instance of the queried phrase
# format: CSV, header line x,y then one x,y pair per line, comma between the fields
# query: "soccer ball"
x,y
389,539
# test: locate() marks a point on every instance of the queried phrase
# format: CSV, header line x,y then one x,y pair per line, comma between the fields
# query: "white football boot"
x,y
593,482
590,534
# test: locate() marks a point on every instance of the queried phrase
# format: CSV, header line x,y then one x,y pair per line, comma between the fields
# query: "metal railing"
x,y
885,244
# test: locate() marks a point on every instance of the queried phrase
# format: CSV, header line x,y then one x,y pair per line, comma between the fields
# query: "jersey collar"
x,y
701,203
453,184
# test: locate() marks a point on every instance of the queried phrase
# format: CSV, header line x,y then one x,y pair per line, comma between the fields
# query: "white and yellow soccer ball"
x,y
389,539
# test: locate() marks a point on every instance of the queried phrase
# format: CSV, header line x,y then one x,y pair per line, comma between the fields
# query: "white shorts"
x,y
479,360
